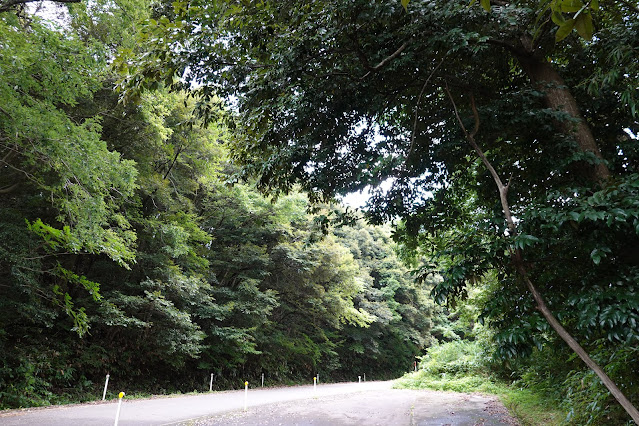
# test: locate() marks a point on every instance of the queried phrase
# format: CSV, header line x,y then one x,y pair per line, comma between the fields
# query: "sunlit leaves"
x,y
44,73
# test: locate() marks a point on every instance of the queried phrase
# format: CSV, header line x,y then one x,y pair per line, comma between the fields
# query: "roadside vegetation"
x,y
532,407
543,388
467,366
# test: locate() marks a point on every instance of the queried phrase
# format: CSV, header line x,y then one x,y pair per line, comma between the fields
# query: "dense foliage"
x,y
124,250
339,95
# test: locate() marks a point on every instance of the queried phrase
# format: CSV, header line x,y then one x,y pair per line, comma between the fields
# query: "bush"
x,y
462,366
459,366
455,358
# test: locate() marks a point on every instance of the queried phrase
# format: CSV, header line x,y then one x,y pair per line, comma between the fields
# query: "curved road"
x,y
369,403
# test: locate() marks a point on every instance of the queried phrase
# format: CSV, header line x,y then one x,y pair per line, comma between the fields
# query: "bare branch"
x,y
9,188
419,98
386,60
470,137
9,155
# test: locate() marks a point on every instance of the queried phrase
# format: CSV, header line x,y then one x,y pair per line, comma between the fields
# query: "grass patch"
x,y
462,366
530,408
423,380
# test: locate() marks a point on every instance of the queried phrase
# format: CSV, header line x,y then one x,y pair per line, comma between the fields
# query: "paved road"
x,y
291,405
386,407
161,411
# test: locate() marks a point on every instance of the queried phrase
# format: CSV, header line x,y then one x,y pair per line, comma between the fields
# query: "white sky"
x,y
356,200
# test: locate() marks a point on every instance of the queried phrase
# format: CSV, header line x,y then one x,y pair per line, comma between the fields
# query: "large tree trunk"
x,y
559,98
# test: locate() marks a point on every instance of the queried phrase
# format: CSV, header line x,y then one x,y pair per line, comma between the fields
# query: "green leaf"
x,y
594,4
405,4
485,4
570,5
564,30
583,25
557,18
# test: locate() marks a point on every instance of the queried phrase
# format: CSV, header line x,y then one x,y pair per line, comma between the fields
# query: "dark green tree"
x,y
400,308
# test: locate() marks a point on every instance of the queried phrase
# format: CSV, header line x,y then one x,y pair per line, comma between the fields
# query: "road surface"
x,y
370,403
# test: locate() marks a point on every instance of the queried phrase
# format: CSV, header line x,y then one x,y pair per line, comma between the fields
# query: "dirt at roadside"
x,y
392,407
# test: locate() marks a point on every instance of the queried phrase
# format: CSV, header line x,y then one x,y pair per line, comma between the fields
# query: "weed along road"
x,y
369,403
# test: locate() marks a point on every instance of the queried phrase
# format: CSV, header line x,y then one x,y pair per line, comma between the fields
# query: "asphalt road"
x,y
369,403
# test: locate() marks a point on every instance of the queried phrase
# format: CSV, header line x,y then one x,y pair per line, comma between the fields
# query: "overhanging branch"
x,y
386,60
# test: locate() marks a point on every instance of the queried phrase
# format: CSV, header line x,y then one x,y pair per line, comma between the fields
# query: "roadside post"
x,y
117,414
359,379
262,379
211,383
106,385
245,395
315,384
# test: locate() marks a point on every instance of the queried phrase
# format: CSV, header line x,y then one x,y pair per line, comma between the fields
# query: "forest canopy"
x,y
169,172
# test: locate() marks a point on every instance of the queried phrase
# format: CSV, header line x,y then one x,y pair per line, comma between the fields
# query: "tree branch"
x,y
9,188
419,98
470,137
630,5
4,111
506,45
386,60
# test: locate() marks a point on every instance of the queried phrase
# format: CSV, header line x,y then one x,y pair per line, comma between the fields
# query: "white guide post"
x,y
359,379
211,383
245,395
262,379
117,414
106,385
315,384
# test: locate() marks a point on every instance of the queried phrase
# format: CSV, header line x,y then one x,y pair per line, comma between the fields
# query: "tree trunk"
x,y
559,98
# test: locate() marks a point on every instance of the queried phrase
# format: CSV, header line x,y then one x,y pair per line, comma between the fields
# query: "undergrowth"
x,y
463,366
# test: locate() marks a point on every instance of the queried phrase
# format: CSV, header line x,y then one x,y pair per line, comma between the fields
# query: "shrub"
x,y
455,358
